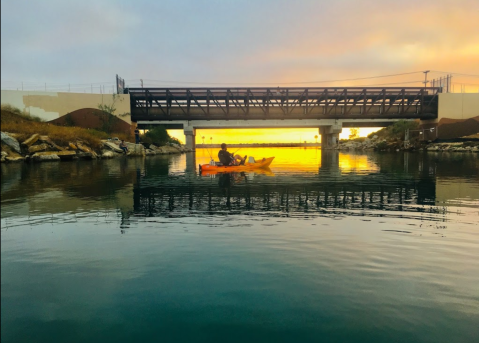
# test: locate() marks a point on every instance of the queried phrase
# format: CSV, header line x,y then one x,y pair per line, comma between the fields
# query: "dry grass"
x,y
12,120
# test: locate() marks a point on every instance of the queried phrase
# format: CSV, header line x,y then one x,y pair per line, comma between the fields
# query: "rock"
x,y
87,150
14,159
108,154
64,155
170,150
45,158
135,149
55,147
83,148
149,152
37,148
33,138
11,142
153,147
72,146
112,146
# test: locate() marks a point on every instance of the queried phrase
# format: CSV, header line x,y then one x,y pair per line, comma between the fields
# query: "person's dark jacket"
x,y
225,157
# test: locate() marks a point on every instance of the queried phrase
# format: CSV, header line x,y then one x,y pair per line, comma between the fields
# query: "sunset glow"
x,y
291,160
245,136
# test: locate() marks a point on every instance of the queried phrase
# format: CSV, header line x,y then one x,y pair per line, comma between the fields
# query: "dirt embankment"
x,y
91,118
451,129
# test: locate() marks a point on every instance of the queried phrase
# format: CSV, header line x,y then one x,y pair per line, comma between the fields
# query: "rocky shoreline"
x,y
38,148
376,144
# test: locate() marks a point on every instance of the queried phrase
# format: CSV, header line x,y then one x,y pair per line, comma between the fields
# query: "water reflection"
x,y
301,182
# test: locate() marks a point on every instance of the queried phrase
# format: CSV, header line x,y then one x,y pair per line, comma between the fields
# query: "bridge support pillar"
x,y
330,135
190,134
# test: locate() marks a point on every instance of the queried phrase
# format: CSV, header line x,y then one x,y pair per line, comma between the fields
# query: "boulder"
x,y
108,154
112,146
56,147
86,150
11,142
64,155
36,148
170,149
72,146
14,159
45,158
135,149
149,152
30,141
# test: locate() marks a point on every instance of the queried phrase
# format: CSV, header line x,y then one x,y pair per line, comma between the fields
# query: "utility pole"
x,y
141,80
425,77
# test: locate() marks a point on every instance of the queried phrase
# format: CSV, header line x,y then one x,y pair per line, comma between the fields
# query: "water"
x,y
321,247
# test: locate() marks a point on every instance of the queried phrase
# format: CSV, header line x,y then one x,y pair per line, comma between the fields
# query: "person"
x,y
229,159
137,135
123,147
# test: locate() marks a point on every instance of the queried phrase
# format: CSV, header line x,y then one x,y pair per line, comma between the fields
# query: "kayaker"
x,y
229,159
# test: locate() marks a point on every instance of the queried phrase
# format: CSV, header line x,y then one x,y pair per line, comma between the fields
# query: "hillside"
x,y
450,129
23,126
91,118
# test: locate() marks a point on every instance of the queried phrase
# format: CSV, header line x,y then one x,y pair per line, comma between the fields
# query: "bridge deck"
x,y
283,103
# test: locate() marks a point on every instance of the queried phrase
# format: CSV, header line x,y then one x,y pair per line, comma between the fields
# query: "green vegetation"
x,y
14,121
395,131
108,121
158,136
354,132
21,115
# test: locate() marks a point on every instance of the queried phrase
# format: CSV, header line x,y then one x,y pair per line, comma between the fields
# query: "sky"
x,y
80,46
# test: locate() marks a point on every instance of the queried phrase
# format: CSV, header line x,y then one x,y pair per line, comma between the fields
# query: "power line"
x,y
448,72
282,83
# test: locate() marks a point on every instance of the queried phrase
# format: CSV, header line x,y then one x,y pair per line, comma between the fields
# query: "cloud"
x,y
235,42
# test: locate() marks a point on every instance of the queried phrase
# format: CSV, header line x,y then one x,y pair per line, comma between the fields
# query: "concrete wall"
x,y
52,105
458,105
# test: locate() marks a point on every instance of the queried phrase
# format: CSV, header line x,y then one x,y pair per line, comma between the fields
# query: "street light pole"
x,y
425,77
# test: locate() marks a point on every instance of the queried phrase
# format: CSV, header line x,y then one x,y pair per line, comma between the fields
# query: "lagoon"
x,y
323,246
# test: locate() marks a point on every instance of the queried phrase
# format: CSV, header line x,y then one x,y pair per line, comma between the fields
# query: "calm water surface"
x,y
322,247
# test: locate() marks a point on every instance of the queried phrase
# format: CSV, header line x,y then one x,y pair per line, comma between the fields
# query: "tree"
x,y
203,138
108,119
158,135
316,138
353,132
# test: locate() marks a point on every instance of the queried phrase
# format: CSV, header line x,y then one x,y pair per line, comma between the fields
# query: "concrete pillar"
x,y
190,134
330,135
330,162
191,162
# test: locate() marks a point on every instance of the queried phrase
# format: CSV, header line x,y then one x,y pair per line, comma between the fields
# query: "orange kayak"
x,y
247,166
260,171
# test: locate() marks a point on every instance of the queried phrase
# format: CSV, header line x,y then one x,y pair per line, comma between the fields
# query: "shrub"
x,y
158,135
396,130
21,115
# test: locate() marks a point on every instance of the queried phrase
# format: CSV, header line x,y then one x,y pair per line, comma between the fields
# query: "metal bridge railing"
x,y
194,102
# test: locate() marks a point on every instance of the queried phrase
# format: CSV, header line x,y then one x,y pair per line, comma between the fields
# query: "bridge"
x,y
328,109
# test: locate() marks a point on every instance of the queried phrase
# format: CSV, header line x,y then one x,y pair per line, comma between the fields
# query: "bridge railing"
x,y
193,102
